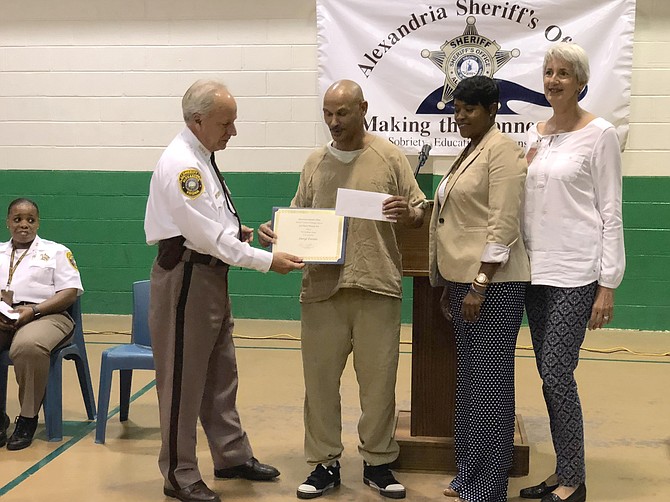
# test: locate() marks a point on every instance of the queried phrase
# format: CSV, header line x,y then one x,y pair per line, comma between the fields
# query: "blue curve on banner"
x,y
509,91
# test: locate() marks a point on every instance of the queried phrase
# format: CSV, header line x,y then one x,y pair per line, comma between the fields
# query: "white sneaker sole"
x,y
398,493
305,493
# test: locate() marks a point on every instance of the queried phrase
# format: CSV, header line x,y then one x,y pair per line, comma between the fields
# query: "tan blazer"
x,y
481,209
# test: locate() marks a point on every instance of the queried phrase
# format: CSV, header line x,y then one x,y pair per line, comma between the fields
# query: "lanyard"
x,y
13,267
226,194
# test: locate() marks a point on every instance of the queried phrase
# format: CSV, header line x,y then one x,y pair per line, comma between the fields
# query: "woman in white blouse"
x,y
573,234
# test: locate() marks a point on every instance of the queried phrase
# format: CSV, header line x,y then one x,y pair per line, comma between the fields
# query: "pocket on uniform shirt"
x,y
566,167
41,273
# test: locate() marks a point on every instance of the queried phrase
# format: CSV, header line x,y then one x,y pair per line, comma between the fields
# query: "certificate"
x,y
315,235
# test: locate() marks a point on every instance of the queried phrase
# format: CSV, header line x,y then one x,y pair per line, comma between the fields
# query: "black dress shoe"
x,y
579,495
252,469
4,425
22,437
197,492
537,491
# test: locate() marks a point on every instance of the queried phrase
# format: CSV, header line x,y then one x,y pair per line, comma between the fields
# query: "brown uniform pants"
x,y
30,349
367,324
196,373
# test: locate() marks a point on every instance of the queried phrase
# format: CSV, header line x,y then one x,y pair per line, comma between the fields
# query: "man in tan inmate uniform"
x,y
354,307
190,214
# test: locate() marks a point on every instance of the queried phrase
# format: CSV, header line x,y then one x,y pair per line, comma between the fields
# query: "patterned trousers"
x,y
484,421
557,318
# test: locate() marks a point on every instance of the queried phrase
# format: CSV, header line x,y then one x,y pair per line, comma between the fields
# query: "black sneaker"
x,y
322,478
4,425
381,479
22,437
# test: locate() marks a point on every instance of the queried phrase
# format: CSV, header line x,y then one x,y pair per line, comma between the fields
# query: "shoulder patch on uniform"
x,y
190,182
70,258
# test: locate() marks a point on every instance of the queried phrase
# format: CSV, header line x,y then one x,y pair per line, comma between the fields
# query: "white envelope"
x,y
360,204
5,311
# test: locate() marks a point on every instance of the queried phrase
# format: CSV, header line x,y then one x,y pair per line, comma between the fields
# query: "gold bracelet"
x,y
478,293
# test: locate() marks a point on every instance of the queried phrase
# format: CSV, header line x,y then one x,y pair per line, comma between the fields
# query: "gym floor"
x,y
625,399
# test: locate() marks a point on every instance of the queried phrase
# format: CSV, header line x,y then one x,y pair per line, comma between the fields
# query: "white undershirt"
x,y
344,156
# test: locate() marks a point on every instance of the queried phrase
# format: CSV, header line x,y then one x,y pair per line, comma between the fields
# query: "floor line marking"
x,y
84,432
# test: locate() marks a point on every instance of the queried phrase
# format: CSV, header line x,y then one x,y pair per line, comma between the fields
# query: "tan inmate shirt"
x,y
372,257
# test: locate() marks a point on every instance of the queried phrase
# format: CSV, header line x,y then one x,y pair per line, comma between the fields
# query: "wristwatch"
x,y
36,312
482,280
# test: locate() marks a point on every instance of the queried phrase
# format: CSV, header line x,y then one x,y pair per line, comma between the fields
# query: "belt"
x,y
21,304
194,257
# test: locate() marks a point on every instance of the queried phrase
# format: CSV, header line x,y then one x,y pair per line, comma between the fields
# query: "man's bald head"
x,y
347,89
344,109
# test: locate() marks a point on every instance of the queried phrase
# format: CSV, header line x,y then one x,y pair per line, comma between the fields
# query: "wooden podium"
x,y
426,433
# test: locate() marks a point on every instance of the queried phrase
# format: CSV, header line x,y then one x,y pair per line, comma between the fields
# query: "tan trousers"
x,y
30,349
367,324
196,372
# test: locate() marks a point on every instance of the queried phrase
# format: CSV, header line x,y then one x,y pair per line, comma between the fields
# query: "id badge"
x,y
7,296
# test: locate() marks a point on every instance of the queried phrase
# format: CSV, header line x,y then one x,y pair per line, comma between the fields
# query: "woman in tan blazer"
x,y
477,255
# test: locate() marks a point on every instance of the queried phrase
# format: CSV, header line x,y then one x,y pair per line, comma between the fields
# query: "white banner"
x,y
409,56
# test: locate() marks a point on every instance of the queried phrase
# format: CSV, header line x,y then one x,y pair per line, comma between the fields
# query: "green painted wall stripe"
x,y
99,215
646,189
644,292
646,267
646,215
642,242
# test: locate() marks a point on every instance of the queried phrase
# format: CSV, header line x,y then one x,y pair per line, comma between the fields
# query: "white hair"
x,y
573,54
200,98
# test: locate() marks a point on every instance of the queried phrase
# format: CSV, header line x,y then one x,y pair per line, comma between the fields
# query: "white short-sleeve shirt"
x,y
185,198
48,267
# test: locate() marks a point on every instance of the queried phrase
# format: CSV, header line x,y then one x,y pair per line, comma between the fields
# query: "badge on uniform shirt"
x,y
70,258
190,182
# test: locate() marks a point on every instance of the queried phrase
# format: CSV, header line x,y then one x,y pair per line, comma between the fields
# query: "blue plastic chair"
x,y
136,355
53,400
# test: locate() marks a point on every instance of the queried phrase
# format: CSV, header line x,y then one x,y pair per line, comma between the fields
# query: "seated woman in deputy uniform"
x,y
41,281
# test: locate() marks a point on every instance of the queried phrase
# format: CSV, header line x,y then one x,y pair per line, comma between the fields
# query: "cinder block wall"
x,y
90,95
